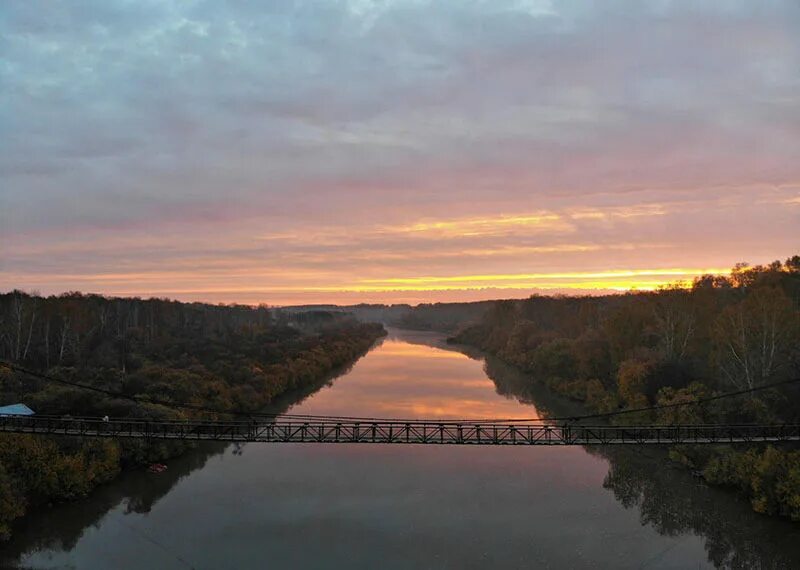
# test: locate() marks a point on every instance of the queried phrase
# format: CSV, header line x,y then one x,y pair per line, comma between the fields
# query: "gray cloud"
x,y
135,115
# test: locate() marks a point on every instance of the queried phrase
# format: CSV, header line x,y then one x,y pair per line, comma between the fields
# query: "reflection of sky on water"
x,y
399,379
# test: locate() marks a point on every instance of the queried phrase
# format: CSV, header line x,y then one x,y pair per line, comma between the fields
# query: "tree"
x,y
674,322
632,380
627,328
754,337
12,505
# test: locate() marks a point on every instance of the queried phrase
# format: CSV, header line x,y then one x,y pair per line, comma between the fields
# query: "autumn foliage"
x,y
222,358
676,345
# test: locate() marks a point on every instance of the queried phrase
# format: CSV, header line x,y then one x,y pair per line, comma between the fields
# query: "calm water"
x,y
372,506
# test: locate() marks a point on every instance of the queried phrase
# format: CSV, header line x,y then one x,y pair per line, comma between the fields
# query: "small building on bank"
x,y
16,410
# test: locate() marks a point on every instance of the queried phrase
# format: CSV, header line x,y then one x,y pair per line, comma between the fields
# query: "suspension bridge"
x,y
430,432
288,428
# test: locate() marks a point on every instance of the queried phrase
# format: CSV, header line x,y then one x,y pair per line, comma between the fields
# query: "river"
x,y
382,506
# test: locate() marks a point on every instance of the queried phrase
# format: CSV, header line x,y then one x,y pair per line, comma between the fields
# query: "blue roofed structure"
x,y
16,410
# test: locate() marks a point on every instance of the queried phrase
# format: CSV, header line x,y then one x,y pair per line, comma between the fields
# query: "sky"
x,y
391,151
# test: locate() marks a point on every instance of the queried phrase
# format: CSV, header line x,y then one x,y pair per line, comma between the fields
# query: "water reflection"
x,y
668,498
367,506
416,375
60,528
671,503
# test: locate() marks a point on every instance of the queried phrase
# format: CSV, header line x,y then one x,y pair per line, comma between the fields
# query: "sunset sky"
x,y
393,151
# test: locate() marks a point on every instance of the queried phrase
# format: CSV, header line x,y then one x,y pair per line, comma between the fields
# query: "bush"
x,y
769,478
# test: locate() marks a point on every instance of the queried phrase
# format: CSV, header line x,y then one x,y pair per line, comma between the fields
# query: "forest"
x,y
678,344
441,317
224,358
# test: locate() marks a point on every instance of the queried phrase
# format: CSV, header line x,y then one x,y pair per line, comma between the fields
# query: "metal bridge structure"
x,y
399,432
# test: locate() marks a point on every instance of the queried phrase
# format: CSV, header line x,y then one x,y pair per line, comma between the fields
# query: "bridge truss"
x,y
400,432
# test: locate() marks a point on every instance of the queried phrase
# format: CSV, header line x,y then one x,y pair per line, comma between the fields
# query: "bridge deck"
x,y
419,432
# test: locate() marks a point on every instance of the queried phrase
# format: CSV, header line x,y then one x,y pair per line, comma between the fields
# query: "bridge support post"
x,y
566,435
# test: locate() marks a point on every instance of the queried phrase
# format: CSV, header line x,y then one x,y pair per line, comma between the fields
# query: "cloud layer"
x,y
342,151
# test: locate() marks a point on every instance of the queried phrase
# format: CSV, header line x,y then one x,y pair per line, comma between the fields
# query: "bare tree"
x,y
64,336
47,340
30,332
17,309
675,322
755,336
102,315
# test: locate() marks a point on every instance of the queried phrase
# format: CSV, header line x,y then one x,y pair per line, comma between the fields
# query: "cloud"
x,y
180,131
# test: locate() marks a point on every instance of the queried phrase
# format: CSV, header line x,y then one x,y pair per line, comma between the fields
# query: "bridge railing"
x,y
418,431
